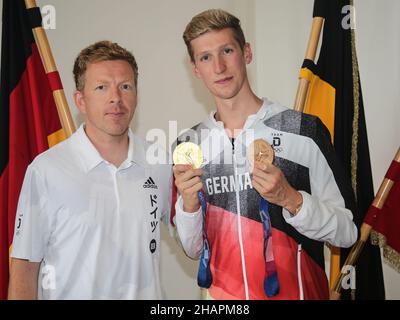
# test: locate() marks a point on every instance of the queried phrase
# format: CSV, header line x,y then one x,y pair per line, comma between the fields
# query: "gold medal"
x,y
261,151
188,153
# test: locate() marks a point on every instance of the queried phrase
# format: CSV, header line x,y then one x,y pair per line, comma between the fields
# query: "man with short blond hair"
x,y
265,227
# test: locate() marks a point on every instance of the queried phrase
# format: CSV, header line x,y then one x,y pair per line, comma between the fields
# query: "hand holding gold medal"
x,y
190,186
188,180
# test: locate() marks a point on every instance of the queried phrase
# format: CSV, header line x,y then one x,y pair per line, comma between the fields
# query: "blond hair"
x,y
101,51
209,20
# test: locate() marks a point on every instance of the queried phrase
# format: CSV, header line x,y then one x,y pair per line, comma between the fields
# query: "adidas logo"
x,y
150,184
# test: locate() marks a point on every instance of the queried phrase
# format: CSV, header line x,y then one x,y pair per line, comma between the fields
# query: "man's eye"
x,y
228,50
101,87
126,87
205,58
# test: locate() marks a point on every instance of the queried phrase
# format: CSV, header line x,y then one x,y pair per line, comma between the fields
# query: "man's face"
x,y
220,62
108,99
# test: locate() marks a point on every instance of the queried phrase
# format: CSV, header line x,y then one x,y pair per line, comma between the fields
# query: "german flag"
x,y
29,122
335,96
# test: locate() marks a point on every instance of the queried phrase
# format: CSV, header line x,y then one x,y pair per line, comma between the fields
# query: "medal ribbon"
x,y
204,276
271,283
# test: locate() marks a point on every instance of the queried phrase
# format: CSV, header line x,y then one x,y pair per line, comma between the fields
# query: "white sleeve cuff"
x,y
302,216
190,229
323,221
186,216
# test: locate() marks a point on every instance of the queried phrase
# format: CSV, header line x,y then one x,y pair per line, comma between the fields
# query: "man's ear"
x,y
195,70
80,101
248,53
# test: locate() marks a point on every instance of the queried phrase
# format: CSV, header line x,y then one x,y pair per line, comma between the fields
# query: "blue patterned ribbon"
x,y
271,283
204,276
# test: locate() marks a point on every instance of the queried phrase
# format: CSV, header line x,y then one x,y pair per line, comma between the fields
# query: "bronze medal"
x,y
261,151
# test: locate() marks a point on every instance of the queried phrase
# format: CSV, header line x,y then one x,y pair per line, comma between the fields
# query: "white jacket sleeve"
x,y
323,215
190,229
323,221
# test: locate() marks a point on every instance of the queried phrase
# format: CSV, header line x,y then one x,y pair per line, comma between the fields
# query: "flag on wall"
x,y
29,122
385,222
335,96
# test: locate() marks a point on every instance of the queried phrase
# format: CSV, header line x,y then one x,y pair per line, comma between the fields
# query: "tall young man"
x,y
271,222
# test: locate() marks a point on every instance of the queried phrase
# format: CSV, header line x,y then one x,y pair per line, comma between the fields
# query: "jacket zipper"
x,y
246,288
300,282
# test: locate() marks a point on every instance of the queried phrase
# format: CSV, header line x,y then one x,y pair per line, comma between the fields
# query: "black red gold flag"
x,y
29,122
335,96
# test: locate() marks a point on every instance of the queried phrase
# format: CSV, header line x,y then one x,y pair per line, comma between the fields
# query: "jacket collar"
x,y
261,114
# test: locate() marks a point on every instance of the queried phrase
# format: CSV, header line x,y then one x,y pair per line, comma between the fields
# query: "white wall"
x,y
278,31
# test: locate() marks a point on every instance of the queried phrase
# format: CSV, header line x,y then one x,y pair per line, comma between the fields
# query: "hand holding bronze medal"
x,y
261,151
190,153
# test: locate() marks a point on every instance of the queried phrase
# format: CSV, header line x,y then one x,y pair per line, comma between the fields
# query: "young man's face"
x,y
108,99
220,62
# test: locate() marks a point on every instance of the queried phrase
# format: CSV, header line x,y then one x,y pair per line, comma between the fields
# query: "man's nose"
x,y
115,96
219,65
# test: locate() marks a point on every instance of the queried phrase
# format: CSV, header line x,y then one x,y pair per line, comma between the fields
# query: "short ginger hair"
x,y
97,52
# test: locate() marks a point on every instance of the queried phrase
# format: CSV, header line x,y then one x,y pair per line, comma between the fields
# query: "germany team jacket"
x,y
305,155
